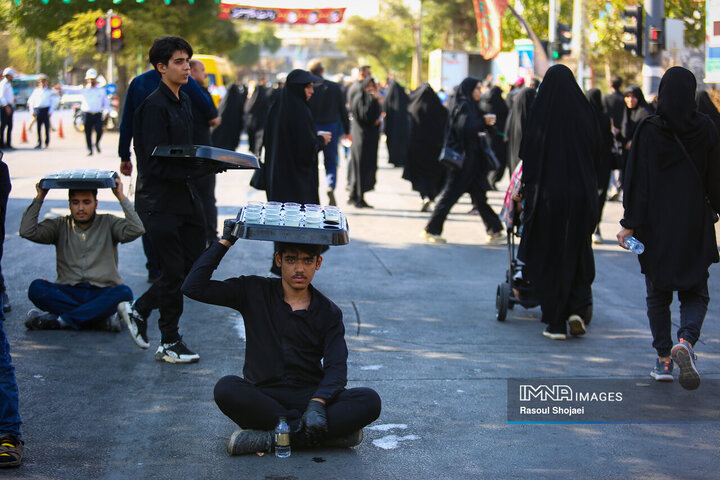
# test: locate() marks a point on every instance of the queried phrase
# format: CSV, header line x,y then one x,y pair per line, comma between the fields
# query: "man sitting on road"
x,y
296,356
89,292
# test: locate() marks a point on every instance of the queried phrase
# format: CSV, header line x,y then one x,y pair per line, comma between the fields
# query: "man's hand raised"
x,y
118,190
41,192
228,238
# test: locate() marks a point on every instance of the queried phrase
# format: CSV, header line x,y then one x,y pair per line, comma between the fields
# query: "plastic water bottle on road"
x,y
634,245
282,439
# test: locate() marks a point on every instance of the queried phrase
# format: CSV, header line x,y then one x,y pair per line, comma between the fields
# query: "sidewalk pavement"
x,y
421,330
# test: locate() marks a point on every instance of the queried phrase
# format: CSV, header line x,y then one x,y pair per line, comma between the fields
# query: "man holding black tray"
x,y
88,291
167,199
296,356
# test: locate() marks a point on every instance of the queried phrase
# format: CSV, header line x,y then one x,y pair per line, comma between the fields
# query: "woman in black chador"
x,y
256,108
519,112
706,106
672,191
365,130
605,157
227,134
428,119
291,143
397,123
636,109
559,150
492,102
466,123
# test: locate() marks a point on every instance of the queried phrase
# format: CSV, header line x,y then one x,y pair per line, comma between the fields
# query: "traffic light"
x,y
656,40
116,34
101,40
634,29
564,37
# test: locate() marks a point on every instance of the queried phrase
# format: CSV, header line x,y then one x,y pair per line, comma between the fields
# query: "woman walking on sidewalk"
x,y
677,150
559,150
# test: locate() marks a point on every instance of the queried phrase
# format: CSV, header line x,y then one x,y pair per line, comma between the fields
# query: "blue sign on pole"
x,y
111,89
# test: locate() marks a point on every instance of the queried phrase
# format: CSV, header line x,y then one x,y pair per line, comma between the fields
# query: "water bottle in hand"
x,y
634,245
282,439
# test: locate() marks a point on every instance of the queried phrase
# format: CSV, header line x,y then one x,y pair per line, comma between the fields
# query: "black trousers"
x,y
206,189
42,119
456,185
92,121
693,307
258,408
6,124
178,241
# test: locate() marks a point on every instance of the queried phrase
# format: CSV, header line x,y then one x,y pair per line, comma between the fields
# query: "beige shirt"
x,y
84,255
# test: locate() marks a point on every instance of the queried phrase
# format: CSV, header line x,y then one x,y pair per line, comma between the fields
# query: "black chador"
x,y
227,134
519,112
397,123
365,130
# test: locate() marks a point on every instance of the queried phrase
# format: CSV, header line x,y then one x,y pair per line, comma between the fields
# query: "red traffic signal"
x,y
100,22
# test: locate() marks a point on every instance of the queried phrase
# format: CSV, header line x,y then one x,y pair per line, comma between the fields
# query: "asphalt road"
x,y
421,330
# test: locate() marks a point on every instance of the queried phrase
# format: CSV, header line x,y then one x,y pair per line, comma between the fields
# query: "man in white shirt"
x,y
7,106
95,103
41,106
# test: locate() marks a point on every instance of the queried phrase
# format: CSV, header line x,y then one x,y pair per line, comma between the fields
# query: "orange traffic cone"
x,y
23,137
60,130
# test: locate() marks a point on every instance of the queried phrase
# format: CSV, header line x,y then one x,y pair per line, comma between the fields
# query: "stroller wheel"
x,y
501,301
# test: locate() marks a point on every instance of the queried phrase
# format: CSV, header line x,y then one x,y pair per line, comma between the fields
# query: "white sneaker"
x,y
597,238
432,238
176,352
577,326
495,238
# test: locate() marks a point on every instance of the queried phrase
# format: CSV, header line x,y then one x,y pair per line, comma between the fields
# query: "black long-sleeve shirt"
x,y
164,185
283,347
327,105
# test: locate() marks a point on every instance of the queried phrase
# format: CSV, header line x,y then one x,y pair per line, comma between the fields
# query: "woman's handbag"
x,y
493,163
451,158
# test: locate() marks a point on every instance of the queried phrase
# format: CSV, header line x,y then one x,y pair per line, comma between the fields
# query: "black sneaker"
x,y
682,353
331,197
136,323
351,440
11,450
176,352
662,371
250,441
6,303
39,320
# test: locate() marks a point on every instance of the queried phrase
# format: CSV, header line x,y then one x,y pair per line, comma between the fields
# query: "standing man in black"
x,y
328,106
614,102
201,136
166,199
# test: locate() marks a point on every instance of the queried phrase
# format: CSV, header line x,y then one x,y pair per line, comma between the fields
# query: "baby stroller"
x,y
515,290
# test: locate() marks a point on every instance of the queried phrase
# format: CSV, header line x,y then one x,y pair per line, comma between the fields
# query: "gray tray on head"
x,y
327,234
89,178
212,158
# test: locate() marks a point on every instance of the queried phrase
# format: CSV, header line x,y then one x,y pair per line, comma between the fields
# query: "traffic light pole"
x,y
552,27
652,68
111,54
578,37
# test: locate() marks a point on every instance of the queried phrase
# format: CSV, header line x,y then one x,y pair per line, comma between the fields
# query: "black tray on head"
x,y
89,178
212,158
335,233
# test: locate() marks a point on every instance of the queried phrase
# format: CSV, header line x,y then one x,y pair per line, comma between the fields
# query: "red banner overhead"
x,y
303,16
488,14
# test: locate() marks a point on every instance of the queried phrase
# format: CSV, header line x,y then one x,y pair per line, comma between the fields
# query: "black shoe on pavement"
x,y
331,197
136,323
38,146
11,450
90,153
363,204
6,303
39,320
176,352
250,441
97,147
662,371
351,440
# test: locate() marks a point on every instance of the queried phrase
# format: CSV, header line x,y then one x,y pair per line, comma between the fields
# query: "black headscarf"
x,y
633,116
227,134
559,150
517,118
397,123
428,119
492,102
706,106
291,144
464,91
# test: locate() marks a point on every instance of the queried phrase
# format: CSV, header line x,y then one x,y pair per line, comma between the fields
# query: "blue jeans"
x,y
78,304
330,153
9,416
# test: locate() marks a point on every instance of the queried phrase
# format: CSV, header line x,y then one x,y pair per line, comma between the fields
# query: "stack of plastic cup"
x,y
313,216
332,214
252,212
272,213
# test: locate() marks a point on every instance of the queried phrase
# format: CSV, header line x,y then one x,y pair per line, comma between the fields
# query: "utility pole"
x,y
578,37
37,56
554,7
417,58
652,68
111,54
